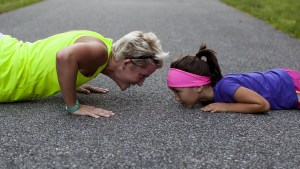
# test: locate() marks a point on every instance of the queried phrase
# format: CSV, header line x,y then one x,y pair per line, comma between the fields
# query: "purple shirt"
x,y
276,86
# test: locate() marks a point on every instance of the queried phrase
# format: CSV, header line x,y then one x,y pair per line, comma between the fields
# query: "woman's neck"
x,y
111,67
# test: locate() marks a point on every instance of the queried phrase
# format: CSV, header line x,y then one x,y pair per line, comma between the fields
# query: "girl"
x,y
199,78
65,62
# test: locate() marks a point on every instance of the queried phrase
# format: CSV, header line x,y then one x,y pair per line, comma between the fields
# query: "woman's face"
x,y
187,96
132,74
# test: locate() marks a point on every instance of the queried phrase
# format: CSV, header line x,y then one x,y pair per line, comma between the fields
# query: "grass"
x,y
9,5
283,15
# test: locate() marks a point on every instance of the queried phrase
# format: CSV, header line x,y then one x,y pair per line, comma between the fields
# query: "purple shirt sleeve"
x,y
224,90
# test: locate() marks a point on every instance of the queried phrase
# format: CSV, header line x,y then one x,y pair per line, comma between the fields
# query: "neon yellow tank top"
x,y
28,70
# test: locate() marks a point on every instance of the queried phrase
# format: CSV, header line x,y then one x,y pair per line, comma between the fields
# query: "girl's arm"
x,y
85,57
247,101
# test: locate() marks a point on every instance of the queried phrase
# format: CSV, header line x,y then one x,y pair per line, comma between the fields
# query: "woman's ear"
x,y
125,63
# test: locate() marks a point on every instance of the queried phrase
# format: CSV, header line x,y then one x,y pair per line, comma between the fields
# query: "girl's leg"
x,y
298,94
295,75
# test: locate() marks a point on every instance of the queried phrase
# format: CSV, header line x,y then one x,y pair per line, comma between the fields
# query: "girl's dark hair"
x,y
197,65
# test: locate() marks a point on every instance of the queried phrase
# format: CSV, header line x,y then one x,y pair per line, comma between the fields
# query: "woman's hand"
x,y
87,89
92,111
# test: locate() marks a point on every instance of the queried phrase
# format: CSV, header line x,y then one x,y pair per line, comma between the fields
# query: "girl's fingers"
x,y
208,109
205,109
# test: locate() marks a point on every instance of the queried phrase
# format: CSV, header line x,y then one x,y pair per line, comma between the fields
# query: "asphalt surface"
x,y
150,130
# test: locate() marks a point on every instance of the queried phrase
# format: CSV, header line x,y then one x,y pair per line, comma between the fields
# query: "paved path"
x,y
150,130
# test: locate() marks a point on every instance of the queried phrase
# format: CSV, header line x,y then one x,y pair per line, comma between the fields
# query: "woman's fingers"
x,y
105,113
91,89
85,110
102,112
98,90
83,90
94,115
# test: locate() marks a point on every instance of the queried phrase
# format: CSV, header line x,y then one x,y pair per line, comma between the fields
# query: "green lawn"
x,y
8,5
283,15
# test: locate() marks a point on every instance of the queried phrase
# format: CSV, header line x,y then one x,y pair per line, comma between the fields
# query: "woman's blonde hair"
x,y
142,48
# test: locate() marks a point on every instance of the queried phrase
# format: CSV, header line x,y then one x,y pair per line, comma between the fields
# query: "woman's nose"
x,y
141,82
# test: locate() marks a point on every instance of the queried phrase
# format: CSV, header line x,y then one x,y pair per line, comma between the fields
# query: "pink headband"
x,y
180,78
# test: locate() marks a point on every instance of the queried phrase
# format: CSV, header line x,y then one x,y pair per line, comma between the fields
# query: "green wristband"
x,y
75,108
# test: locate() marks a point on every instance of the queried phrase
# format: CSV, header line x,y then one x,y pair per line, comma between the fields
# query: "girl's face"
x,y
188,96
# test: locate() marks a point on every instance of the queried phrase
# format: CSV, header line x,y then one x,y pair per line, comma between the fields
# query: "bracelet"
x,y
75,108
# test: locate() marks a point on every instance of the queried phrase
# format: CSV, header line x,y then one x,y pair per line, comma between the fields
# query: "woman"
x,y
66,61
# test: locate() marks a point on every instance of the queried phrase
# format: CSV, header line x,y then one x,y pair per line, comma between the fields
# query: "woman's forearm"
x,y
66,72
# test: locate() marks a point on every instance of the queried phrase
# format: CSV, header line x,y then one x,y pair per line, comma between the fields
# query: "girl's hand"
x,y
215,107
87,89
92,111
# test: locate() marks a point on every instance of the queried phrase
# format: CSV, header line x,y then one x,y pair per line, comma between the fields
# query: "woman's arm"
x,y
85,57
247,101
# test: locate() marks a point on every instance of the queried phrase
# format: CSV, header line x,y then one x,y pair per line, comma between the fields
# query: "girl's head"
x,y
142,48
189,76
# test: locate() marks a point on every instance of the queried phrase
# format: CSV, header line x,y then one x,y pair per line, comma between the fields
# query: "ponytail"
x,y
207,66
212,61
